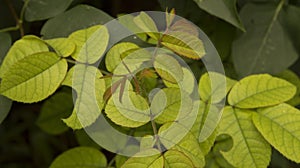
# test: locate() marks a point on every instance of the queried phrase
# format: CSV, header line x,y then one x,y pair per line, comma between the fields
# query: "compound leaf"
x,y
63,47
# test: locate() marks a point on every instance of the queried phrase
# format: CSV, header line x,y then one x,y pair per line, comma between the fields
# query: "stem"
x,y
9,29
111,162
157,141
19,21
71,61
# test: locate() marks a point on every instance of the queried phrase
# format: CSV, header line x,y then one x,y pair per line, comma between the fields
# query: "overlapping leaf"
x,y
90,43
280,125
53,110
34,78
249,149
63,47
260,91
117,53
89,102
22,48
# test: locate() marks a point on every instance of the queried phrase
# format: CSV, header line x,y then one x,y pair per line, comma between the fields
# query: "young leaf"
x,y
59,106
279,125
80,157
260,91
114,55
269,49
184,44
79,17
44,9
128,22
5,105
22,48
89,90
249,148
34,77
216,91
168,68
154,160
90,43
63,47
133,114
223,9
145,22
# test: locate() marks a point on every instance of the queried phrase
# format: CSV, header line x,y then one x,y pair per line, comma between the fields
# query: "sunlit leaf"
x,y
279,125
63,47
34,77
249,148
260,91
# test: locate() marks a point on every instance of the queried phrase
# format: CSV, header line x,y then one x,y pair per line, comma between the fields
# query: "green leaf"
x,y
291,77
187,81
79,17
84,139
168,68
59,106
155,160
133,114
171,158
44,9
249,148
69,77
216,91
63,47
223,9
22,48
128,22
5,105
279,125
260,91
90,43
188,145
117,53
89,102
5,43
205,126
168,103
184,44
81,157
34,77
269,49
145,22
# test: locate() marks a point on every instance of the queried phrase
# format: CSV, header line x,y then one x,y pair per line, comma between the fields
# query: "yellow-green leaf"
x,y
145,22
63,46
22,48
34,78
168,68
80,157
214,86
279,125
131,112
89,102
184,44
115,54
260,91
90,43
249,149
